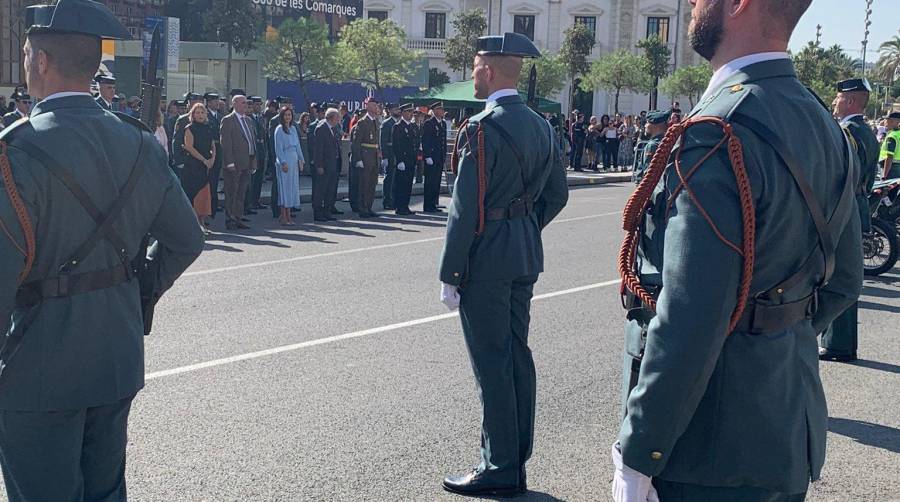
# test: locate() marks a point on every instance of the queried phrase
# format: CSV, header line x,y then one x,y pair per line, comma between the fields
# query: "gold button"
x,y
656,455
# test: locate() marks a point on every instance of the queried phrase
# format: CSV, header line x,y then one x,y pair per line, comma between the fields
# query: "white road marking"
x,y
348,336
358,250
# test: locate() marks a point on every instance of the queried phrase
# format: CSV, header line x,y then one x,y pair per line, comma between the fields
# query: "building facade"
x,y
616,24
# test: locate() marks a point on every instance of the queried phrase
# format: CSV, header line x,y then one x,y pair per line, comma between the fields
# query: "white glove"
x,y
630,485
359,164
450,296
429,161
384,163
401,166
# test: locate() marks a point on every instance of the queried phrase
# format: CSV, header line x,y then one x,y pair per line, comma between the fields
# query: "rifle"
x,y
145,267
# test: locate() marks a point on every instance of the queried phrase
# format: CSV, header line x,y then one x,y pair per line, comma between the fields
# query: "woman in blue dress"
x,y
288,164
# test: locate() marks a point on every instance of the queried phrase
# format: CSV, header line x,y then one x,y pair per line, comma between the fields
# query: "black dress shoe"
x,y
404,212
249,211
434,210
830,355
388,207
476,483
241,226
245,219
365,215
335,211
260,206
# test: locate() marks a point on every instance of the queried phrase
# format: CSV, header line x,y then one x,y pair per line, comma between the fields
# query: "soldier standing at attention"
x,y
73,360
889,157
434,148
388,161
364,147
511,183
405,139
762,251
657,123
840,339
23,104
106,85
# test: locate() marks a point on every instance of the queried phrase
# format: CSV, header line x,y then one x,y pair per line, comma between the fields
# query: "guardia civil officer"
x,y
70,307
214,121
761,252
106,87
889,157
434,150
22,103
840,339
657,123
493,254
388,161
405,144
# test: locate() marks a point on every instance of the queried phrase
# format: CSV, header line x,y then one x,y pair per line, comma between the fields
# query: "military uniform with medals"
x,y
78,202
405,144
364,157
434,150
388,160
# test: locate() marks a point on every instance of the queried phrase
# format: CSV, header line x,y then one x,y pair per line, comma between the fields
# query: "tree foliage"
x,y
577,46
437,78
459,52
657,55
190,14
300,52
887,68
236,23
688,81
551,75
618,71
373,53
819,68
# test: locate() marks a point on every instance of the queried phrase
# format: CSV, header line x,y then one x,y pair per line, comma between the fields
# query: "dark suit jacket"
x,y
434,140
327,150
405,139
235,146
85,350
11,117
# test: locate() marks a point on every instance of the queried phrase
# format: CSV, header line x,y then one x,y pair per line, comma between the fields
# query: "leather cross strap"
x,y
829,231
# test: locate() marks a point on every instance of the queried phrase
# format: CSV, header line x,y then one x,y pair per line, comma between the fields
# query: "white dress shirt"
x,y
735,65
849,117
502,93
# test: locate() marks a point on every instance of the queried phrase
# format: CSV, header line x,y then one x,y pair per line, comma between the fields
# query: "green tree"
x,y
618,71
191,19
301,53
887,68
373,53
237,24
819,68
689,81
437,78
657,54
459,53
551,75
577,46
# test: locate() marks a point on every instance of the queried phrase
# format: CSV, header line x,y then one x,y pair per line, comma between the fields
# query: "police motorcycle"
x,y
881,245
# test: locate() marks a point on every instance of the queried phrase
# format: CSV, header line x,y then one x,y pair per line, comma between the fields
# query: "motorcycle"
x,y
881,244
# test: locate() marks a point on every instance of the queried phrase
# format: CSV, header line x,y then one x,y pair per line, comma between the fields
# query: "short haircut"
x,y
508,66
331,112
788,12
238,97
859,96
73,55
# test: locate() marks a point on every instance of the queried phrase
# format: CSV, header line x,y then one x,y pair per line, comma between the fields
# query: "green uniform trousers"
x,y
670,491
841,336
65,456
495,317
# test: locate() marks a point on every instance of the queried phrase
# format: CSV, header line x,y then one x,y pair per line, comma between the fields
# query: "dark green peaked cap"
x,y
75,16
508,44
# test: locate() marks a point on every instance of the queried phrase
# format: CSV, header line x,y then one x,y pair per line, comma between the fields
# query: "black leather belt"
x,y
518,208
71,284
757,319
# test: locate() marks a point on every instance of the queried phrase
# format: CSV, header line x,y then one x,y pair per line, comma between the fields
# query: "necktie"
x,y
246,133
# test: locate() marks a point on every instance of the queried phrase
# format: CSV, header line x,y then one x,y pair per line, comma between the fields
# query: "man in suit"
x,y
106,87
255,192
405,143
434,149
73,359
238,139
327,155
22,103
365,156
723,398
840,339
388,161
493,255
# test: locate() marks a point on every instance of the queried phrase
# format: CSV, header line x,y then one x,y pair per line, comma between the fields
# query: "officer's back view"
x,y
81,188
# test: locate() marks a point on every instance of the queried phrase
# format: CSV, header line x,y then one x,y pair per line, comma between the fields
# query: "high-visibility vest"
x,y
895,134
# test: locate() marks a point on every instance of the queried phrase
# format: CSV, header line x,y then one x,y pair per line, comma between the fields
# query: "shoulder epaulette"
x,y
5,133
133,121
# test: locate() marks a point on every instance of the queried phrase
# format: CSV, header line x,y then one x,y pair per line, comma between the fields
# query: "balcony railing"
x,y
430,46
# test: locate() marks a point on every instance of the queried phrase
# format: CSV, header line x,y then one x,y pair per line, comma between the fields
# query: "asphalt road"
x,y
317,364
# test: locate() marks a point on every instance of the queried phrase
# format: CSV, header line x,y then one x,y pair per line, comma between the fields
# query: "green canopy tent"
x,y
461,95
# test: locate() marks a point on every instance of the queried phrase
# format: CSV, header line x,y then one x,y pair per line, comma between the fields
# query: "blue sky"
x,y
843,23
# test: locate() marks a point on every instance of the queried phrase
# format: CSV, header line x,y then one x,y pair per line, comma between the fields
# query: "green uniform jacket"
x,y
364,142
644,156
724,410
508,248
867,150
85,350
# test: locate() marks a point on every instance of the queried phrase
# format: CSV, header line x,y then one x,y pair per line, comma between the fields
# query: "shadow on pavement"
x,y
879,292
530,495
877,306
869,434
876,365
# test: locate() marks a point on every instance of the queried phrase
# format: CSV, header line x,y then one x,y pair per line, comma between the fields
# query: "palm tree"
x,y
888,65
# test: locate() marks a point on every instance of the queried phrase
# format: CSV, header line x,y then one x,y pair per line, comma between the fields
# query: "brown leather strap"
x,y
9,183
